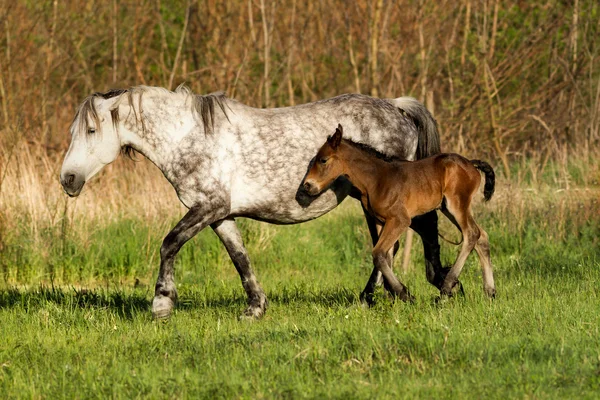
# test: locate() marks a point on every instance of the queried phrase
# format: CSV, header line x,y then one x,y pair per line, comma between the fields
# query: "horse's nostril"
x,y
70,179
307,186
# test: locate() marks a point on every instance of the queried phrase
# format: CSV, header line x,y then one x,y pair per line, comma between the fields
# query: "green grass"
x,y
89,334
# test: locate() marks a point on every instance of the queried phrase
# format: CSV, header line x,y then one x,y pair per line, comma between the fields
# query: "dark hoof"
x,y
367,299
440,279
407,298
450,288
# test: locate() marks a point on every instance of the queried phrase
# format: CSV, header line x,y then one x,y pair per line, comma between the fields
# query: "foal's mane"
x,y
371,151
202,106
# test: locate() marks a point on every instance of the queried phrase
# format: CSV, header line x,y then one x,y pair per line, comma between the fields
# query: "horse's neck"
x,y
361,167
157,136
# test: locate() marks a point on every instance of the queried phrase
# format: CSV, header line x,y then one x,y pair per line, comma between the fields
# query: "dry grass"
x,y
32,202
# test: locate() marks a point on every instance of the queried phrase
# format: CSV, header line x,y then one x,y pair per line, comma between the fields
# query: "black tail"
x,y
490,178
429,137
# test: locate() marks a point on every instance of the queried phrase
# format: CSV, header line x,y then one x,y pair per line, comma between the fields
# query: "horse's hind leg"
x,y
426,226
461,213
483,251
165,292
231,238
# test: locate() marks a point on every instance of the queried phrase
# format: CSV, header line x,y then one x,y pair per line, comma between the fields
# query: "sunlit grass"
x,y
75,321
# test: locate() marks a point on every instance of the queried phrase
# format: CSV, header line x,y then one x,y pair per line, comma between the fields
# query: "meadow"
x,y
76,322
510,82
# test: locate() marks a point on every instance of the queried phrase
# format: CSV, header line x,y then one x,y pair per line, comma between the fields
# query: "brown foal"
x,y
393,191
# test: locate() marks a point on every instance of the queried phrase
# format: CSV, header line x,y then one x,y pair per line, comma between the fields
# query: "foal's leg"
x,y
376,278
389,235
231,238
483,251
196,219
460,210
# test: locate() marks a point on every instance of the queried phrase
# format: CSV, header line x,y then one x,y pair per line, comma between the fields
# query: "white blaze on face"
x,y
94,144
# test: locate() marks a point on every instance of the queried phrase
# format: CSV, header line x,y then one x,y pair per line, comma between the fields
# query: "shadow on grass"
x,y
128,303
122,303
290,296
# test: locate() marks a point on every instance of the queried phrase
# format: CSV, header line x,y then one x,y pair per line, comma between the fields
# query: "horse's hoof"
x,y
252,313
162,307
256,309
367,299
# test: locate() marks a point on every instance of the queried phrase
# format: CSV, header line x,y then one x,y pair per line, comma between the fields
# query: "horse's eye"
x,y
323,160
91,131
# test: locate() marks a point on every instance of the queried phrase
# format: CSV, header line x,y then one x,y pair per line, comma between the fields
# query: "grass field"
x,y
516,83
75,318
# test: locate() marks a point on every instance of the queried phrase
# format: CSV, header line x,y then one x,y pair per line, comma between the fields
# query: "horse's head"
x,y
326,167
95,140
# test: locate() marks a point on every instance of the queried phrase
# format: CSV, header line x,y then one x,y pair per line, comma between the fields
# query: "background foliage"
x,y
504,78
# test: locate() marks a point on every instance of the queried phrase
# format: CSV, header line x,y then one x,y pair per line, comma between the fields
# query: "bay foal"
x,y
393,191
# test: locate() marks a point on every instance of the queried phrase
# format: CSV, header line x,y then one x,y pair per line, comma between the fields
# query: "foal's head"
x,y
326,167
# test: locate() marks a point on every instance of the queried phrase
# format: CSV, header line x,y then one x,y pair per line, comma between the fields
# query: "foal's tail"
x,y
490,178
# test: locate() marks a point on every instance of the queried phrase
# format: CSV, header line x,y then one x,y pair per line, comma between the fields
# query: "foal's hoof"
x,y
407,298
457,289
449,289
490,292
162,307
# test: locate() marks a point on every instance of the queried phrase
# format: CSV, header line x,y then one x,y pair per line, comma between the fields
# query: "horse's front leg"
x,y
196,219
231,238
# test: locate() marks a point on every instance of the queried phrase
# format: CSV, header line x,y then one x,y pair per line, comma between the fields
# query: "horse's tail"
x,y
428,136
490,178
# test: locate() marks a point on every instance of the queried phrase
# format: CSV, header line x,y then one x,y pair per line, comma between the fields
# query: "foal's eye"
x,y
323,160
91,131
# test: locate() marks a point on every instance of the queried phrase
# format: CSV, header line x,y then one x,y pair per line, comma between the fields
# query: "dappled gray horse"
x,y
228,160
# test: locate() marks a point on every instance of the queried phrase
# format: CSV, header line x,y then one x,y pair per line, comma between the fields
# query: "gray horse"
x,y
228,160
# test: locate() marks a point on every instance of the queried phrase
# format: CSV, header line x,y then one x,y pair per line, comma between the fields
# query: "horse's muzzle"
x,y
72,184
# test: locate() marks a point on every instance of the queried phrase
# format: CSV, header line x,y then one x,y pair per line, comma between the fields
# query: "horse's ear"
x,y
111,99
336,139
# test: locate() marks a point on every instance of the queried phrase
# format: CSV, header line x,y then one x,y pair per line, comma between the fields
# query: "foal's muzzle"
x,y
72,184
310,188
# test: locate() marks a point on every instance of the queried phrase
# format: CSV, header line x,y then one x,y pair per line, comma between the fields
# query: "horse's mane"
x,y
202,105
370,150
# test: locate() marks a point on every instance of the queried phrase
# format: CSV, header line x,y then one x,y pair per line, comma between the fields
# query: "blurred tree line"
x,y
504,78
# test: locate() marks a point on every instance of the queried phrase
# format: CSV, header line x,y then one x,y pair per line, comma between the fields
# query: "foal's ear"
x,y
336,139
